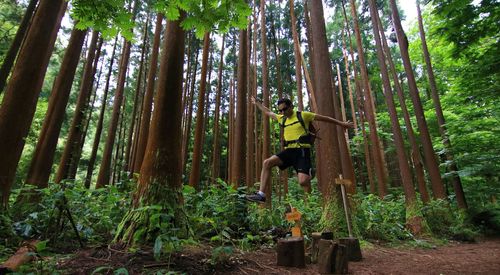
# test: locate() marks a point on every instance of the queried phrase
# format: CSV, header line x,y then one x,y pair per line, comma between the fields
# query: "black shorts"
x,y
299,158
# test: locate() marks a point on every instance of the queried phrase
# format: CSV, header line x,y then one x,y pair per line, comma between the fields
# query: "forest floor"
x,y
482,257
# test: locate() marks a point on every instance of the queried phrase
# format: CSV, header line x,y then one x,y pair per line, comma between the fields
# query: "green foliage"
x,y
382,219
448,223
95,212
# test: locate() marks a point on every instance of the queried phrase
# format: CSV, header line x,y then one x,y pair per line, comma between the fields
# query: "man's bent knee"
x,y
271,162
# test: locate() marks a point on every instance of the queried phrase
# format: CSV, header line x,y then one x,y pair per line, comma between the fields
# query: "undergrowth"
x,y
220,217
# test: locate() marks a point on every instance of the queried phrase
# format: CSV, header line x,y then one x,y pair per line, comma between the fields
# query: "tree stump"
x,y
332,258
341,259
325,263
353,248
316,236
290,252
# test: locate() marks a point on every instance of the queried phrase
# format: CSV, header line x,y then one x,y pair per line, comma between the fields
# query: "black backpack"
x,y
309,137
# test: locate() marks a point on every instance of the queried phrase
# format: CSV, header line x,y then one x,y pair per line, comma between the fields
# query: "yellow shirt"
x,y
293,129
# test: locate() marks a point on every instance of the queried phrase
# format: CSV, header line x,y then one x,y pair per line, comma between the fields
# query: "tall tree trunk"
x,y
250,133
160,178
296,49
429,155
415,152
216,145
230,132
138,89
452,167
75,158
194,178
329,158
21,95
98,131
41,162
148,97
188,110
104,171
239,164
76,129
266,146
404,167
370,114
10,57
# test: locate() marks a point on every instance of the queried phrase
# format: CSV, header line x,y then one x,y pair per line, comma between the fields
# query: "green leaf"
x,y
157,247
41,246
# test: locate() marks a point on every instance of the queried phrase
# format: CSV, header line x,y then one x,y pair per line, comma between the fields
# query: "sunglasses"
x,y
284,109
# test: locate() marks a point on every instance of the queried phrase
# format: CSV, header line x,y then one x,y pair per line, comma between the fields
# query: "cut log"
x,y
316,236
325,263
21,257
290,252
341,259
332,258
353,248
327,235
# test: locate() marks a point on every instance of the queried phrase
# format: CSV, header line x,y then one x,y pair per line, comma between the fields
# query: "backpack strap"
x,y
301,120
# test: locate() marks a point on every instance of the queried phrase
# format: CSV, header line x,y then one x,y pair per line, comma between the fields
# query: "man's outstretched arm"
x,y
345,124
263,108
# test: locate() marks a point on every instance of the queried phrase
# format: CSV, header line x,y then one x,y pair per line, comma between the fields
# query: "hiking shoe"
x,y
255,198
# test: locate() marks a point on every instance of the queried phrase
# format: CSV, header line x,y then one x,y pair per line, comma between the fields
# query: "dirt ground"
x,y
482,257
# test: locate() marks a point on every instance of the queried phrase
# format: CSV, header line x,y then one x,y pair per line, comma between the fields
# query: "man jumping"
x,y
297,151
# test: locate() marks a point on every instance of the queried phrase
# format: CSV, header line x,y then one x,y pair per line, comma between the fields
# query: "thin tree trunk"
x,y
41,162
415,152
216,145
104,171
10,57
148,97
76,129
429,155
452,167
98,131
239,164
75,158
136,97
358,90
194,178
188,118
250,133
376,152
404,167
296,49
266,146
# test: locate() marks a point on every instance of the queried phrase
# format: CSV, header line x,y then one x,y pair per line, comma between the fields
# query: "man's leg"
x,y
265,178
305,181
265,173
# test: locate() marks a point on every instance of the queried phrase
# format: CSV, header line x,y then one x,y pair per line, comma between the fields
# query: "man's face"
x,y
285,110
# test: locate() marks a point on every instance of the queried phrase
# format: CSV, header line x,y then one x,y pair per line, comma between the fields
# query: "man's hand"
x,y
347,124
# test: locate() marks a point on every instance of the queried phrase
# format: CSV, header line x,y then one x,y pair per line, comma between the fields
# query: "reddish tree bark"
x,y
404,167
105,169
19,102
429,155
148,97
98,131
415,152
194,178
239,164
76,129
41,162
10,57
452,167
216,145
369,110
135,113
